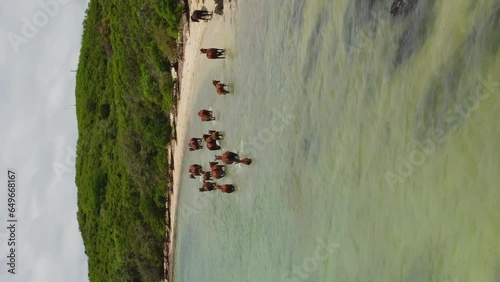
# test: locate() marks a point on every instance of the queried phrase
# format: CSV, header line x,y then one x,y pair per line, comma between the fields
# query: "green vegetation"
x,y
124,91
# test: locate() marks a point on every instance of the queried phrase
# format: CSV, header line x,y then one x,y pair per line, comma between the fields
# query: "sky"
x,y
39,46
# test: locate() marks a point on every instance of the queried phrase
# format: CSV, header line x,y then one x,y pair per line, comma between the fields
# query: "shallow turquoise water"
x,y
377,137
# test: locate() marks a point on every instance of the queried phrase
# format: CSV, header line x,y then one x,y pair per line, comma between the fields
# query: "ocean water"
x,y
375,143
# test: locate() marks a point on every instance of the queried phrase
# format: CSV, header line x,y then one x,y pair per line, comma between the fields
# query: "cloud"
x,y
37,124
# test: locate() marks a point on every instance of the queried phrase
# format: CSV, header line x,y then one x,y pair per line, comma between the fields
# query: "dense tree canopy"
x,y
123,96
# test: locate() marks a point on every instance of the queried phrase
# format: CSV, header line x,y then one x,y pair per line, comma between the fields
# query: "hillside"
x,y
123,96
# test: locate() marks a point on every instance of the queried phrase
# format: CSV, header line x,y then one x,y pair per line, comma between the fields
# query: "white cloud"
x,y
36,88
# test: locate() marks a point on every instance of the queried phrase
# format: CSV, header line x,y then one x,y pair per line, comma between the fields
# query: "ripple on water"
x,y
361,20
445,103
427,265
315,42
420,23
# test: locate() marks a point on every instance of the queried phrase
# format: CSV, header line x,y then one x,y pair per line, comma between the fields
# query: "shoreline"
x,y
192,35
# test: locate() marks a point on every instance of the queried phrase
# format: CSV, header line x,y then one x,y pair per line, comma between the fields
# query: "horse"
x,y
218,171
226,188
207,186
211,143
198,15
216,135
214,53
212,135
195,144
206,115
218,174
220,87
231,157
212,146
195,169
207,175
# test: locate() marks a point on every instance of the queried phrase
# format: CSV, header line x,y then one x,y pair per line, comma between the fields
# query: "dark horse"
x,y
207,175
217,170
198,15
214,53
220,87
195,144
226,188
207,186
218,173
206,115
231,157
212,144
195,169
216,135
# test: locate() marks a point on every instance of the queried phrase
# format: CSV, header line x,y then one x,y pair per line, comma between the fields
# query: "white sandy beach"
x,y
193,40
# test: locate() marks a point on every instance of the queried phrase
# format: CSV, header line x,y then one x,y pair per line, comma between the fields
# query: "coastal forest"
x,y
124,92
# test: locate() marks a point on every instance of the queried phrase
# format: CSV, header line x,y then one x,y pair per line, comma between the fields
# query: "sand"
x,y
193,37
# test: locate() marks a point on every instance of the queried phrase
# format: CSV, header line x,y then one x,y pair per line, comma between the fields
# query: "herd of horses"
x,y
217,171
397,7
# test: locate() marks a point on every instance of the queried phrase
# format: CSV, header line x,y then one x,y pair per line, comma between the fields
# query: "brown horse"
x,y
220,87
216,135
195,169
195,144
207,138
218,171
231,157
207,186
214,53
218,174
206,115
212,146
226,188
211,143
198,15
207,175
212,135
